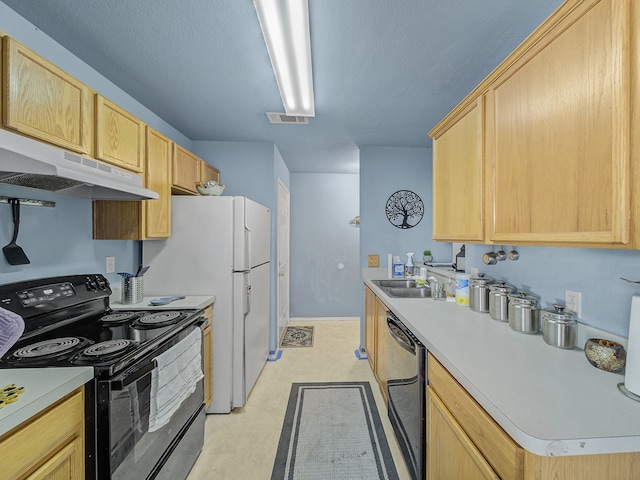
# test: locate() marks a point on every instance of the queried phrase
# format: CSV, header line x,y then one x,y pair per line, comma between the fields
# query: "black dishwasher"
x,y
406,384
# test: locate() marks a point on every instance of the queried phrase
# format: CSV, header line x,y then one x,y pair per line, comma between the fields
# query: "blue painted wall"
x,y
321,240
383,171
58,240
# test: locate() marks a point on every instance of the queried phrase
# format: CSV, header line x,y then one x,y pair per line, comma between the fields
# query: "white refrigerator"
x,y
220,246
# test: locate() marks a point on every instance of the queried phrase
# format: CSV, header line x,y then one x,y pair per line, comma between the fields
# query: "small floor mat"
x,y
297,337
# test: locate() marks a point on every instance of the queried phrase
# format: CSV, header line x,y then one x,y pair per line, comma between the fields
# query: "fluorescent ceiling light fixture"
x,y
285,27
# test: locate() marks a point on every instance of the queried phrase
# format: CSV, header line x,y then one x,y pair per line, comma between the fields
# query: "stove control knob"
x,y
91,285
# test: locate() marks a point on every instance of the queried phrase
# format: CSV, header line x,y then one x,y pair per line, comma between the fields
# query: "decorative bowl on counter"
x,y
605,354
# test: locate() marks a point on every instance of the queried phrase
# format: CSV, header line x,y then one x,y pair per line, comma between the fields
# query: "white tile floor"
x,y
242,445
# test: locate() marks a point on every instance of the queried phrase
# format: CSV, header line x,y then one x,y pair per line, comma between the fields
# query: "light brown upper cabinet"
x,y
208,172
561,166
119,136
186,171
148,219
458,175
44,102
559,126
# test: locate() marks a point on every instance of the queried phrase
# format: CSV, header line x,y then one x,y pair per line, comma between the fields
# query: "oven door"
x,y
127,448
406,394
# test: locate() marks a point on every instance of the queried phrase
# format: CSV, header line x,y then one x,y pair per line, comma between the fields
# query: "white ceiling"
x,y
385,71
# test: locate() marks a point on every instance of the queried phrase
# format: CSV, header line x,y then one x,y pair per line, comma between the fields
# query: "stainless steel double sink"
x,y
404,288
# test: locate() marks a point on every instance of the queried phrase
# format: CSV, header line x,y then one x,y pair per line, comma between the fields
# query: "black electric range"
x,y
68,323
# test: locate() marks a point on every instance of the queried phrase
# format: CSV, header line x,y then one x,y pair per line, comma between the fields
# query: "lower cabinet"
x,y
463,441
370,331
48,446
381,347
494,445
207,356
451,454
375,337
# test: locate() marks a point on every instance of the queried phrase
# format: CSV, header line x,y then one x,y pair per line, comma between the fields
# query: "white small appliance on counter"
x,y
220,246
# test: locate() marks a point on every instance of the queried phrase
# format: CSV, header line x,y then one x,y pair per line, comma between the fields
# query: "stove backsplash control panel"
x,y
34,297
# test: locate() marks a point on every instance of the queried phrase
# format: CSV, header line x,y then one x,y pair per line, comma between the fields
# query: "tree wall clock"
x,y
404,209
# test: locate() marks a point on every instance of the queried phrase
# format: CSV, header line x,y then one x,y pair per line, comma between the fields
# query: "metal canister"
x,y
559,327
524,313
499,300
479,293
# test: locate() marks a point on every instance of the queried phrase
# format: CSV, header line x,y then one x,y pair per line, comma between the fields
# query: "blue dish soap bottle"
x,y
398,268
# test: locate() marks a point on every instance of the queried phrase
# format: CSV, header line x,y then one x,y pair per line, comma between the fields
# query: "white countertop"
x,y
190,302
549,400
43,387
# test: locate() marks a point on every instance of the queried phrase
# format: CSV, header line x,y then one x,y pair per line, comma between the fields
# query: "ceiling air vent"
x,y
287,119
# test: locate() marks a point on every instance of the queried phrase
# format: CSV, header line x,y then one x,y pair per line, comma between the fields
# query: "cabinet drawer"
x,y
35,442
503,454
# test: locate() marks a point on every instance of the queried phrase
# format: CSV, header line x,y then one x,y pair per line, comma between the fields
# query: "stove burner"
x,y
47,347
118,317
158,319
107,348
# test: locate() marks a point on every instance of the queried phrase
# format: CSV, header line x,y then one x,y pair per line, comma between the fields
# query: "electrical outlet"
x,y
573,301
373,260
110,264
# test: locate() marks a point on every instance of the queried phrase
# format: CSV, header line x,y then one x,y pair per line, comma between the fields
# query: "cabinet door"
x,y
119,136
450,453
381,346
458,176
370,331
503,454
147,219
158,179
65,464
42,101
185,171
50,445
208,172
560,135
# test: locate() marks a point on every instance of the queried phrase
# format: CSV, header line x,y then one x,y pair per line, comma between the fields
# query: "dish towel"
x,y
175,378
11,328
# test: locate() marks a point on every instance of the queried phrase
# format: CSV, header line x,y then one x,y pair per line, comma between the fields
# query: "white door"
x,y
283,258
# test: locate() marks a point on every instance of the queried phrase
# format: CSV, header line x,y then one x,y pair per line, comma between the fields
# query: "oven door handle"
x,y
201,322
409,347
122,382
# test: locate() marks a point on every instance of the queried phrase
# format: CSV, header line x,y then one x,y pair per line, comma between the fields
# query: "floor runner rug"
x,y
297,337
333,431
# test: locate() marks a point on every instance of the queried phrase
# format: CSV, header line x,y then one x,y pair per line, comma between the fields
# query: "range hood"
x,y
25,162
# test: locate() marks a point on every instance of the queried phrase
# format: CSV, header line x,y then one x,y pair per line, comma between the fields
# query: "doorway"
x,y
283,257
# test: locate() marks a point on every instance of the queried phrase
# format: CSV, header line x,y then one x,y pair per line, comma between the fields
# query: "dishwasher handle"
x,y
401,338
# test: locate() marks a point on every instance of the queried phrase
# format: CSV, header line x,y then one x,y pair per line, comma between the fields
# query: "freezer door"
x,y
252,234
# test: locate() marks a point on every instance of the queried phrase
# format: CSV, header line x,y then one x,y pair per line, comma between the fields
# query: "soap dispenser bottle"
x,y
408,268
398,267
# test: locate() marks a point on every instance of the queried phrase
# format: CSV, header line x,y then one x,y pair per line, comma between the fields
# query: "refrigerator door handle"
x,y
247,296
247,248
